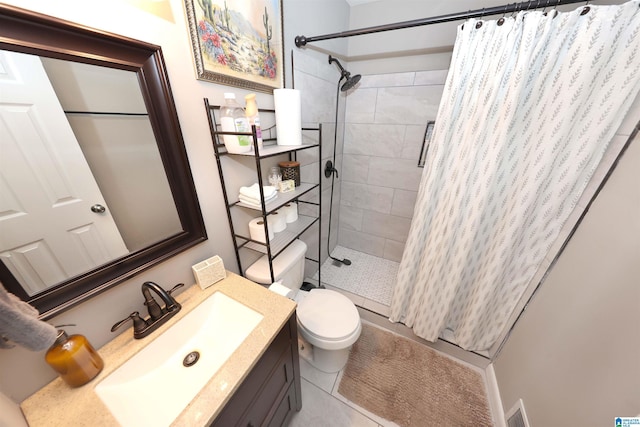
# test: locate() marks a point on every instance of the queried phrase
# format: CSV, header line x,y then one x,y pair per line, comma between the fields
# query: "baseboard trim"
x,y
493,396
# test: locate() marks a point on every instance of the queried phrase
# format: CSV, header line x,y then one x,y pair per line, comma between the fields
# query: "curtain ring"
x,y
501,20
462,26
555,10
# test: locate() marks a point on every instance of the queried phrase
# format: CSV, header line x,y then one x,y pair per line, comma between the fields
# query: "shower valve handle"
x,y
329,169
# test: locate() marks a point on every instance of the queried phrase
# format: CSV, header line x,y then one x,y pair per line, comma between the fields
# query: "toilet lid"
x,y
328,314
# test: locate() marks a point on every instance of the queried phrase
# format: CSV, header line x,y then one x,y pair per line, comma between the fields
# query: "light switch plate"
x,y
209,271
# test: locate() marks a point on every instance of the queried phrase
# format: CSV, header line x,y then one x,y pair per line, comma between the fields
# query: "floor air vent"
x,y
516,417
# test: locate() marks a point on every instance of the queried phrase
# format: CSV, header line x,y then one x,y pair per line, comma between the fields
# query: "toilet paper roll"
x,y
288,116
290,211
277,222
256,230
281,289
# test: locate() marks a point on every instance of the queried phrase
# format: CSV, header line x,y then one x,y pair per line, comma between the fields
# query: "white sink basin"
x,y
153,387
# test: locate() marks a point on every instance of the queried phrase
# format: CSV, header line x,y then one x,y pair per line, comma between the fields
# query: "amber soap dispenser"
x,y
74,359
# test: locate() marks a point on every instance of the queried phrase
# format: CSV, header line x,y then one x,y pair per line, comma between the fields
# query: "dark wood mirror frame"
x,y
29,32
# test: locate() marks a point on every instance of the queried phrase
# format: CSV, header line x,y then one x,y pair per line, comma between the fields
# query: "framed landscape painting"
x,y
238,42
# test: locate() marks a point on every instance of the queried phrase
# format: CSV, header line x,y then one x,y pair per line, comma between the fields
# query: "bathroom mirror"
x,y
98,133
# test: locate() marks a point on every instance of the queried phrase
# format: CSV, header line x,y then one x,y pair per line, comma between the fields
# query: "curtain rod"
x,y
478,13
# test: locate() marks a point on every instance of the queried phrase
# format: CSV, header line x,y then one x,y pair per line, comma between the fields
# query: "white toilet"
x,y
327,320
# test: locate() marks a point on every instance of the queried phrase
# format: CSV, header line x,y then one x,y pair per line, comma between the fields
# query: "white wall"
x,y
23,372
573,356
412,49
314,17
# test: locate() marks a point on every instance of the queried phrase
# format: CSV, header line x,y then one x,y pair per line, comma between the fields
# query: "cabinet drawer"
x,y
285,409
253,384
272,393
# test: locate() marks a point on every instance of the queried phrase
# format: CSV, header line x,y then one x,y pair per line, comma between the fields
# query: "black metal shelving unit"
x,y
270,149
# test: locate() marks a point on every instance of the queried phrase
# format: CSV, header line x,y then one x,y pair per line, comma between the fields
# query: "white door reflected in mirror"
x,y
48,231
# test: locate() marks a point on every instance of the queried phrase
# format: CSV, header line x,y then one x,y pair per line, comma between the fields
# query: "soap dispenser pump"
x,y
74,359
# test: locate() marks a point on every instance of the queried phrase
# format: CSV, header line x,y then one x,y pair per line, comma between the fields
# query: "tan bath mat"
x,y
412,385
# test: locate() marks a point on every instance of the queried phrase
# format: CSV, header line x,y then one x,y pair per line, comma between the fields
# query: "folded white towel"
x,y
253,192
249,201
257,199
253,202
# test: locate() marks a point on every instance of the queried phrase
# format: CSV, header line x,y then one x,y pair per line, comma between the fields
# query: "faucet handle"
x,y
138,323
176,287
174,304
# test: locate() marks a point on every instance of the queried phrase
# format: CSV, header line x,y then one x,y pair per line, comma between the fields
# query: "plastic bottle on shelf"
x,y
232,119
251,111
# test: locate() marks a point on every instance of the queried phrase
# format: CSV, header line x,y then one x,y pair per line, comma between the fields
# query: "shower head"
x,y
344,74
351,82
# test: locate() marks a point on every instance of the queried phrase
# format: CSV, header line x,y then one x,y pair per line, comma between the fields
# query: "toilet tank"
x,y
288,267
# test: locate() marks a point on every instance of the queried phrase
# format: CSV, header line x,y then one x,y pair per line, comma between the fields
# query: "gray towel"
x,y
19,324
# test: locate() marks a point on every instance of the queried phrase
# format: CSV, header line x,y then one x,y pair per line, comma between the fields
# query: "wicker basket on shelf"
x,y
290,170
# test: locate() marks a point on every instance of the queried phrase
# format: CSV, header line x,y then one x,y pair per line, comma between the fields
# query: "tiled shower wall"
x,y
317,81
385,123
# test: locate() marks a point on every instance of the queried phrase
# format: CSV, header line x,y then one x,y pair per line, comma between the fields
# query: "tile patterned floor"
x,y
323,406
368,276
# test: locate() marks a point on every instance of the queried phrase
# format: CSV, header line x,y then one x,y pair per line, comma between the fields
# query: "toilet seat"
x,y
328,319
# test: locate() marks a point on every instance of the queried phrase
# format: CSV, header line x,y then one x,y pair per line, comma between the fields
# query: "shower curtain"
x,y
529,106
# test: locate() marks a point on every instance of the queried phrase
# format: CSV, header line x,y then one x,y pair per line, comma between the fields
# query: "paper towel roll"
x,y
256,230
290,211
288,116
277,222
281,289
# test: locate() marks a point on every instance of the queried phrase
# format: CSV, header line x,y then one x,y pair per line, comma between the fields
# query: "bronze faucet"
x,y
157,314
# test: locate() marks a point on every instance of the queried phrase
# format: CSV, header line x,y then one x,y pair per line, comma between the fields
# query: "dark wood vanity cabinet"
x,y
271,392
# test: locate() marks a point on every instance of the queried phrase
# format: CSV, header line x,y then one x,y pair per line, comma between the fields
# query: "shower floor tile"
x,y
368,276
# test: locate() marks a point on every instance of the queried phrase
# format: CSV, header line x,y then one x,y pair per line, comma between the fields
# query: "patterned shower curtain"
x,y
528,109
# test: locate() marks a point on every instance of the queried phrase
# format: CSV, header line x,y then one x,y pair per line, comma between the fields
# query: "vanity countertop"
x,y
58,404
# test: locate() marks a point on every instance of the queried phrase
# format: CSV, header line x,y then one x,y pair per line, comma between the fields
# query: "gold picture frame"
x,y
238,42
